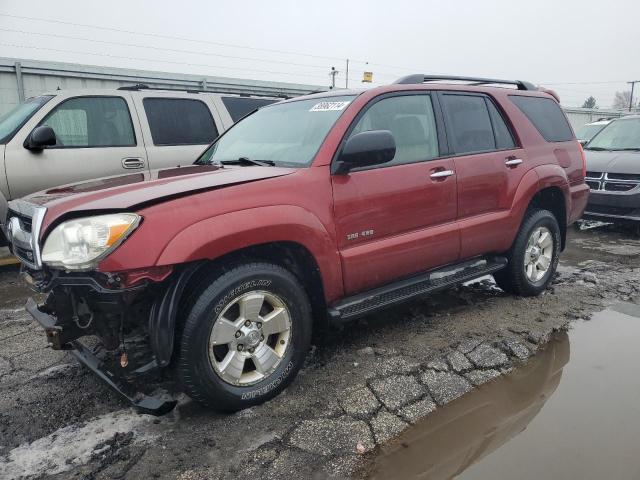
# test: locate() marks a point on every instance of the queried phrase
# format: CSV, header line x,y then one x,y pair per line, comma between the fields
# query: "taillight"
x,y
584,161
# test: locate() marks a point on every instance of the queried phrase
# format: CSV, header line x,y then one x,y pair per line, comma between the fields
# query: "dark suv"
x,y
310,211
613,172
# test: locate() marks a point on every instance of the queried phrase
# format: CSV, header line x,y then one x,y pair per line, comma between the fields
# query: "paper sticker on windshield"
x,y
329,106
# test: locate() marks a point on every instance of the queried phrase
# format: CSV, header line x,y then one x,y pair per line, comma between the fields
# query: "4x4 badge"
x,y
356,235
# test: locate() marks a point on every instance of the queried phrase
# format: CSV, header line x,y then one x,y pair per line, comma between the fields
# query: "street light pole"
x,y
346,80
633,83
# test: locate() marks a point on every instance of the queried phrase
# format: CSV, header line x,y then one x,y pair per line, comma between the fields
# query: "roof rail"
x,y
142,86
419,78
137,86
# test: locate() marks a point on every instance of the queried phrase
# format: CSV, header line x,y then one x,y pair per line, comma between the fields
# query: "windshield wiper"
x,y
248,161
597,149
629,149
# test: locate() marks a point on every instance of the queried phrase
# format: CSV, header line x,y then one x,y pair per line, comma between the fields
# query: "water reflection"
x,y
447,442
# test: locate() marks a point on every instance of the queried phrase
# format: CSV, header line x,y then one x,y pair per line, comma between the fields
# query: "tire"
x,y
240,373
514,278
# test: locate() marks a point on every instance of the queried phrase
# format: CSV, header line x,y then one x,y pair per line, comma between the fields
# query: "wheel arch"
x,y
292,256
554,200
193,278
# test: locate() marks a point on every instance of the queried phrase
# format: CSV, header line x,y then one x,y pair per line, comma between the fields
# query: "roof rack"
x,y
419,78
142,86
137,86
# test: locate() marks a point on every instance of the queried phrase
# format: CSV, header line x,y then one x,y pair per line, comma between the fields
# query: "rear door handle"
x,y
132,163
442,174
512,162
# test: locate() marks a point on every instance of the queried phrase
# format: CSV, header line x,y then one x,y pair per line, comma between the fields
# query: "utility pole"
x,y
346,80
333,74
633,83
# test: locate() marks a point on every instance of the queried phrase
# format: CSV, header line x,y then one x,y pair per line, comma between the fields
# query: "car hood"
x,y
613,162
136,189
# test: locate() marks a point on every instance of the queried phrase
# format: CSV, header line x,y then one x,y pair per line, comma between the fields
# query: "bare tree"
x,y
589,103
621,99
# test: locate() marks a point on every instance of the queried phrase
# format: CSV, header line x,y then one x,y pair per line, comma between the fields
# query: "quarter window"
x,y
546,116
469,124
178,121
504,139
411,120
92,122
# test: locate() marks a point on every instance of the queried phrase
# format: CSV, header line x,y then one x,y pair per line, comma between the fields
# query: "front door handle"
x,y
513,162
442,174
132,163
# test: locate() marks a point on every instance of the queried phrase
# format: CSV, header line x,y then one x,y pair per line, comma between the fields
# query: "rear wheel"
x,y
245,338
534,256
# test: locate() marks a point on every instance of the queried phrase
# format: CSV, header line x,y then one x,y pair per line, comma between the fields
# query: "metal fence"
x,y
20,79
581,116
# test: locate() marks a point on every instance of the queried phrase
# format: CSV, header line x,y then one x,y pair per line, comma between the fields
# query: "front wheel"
x,y
534,256
245,338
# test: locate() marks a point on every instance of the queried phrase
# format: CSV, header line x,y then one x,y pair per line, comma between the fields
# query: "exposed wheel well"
x,y
290,255
552,199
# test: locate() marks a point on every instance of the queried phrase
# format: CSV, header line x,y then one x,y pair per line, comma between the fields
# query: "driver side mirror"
x,y
42,136
364,149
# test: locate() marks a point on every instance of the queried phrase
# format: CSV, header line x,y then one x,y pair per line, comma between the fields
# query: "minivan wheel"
x,y
245,338
534,256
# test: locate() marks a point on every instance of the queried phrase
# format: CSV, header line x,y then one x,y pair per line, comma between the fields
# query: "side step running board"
x,y
402,290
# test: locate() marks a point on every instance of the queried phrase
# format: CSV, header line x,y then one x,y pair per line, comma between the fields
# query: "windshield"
x,y
623,134
587,132
286,134
13,120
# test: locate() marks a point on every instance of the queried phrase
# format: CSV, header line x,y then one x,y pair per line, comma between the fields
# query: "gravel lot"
x,y
360,387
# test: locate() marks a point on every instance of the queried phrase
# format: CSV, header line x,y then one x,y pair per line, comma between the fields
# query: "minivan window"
x,y
287,134
469,124
179,121
238,107
411,121
14,119
546,116
84,122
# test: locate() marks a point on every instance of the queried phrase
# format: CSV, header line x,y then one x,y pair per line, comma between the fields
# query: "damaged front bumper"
x,y
150,404
134,326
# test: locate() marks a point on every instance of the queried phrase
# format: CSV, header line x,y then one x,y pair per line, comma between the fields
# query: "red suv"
x,y
323,207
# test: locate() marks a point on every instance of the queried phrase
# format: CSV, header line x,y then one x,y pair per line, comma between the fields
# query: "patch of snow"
x,y
73,445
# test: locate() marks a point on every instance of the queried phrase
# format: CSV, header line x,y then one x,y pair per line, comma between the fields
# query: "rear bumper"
x,y
613,205
579,197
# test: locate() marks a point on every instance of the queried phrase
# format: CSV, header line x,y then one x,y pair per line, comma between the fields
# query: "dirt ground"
x,y
361,385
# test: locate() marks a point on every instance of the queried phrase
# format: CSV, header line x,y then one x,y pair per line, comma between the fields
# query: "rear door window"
x,y
238,107
91,122
179,121
468,124
545,114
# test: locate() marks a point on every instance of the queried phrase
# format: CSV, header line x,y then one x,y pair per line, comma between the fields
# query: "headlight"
x,y
80,244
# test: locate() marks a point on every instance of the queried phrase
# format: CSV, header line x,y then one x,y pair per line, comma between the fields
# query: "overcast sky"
x,y
577,47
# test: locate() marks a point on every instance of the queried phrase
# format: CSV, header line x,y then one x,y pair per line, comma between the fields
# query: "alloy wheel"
x,y
249,338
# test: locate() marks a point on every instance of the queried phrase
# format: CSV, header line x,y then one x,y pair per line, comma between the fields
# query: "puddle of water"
x,y
573,411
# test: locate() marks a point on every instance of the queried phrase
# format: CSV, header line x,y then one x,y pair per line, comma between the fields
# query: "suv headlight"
x,y
79,244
